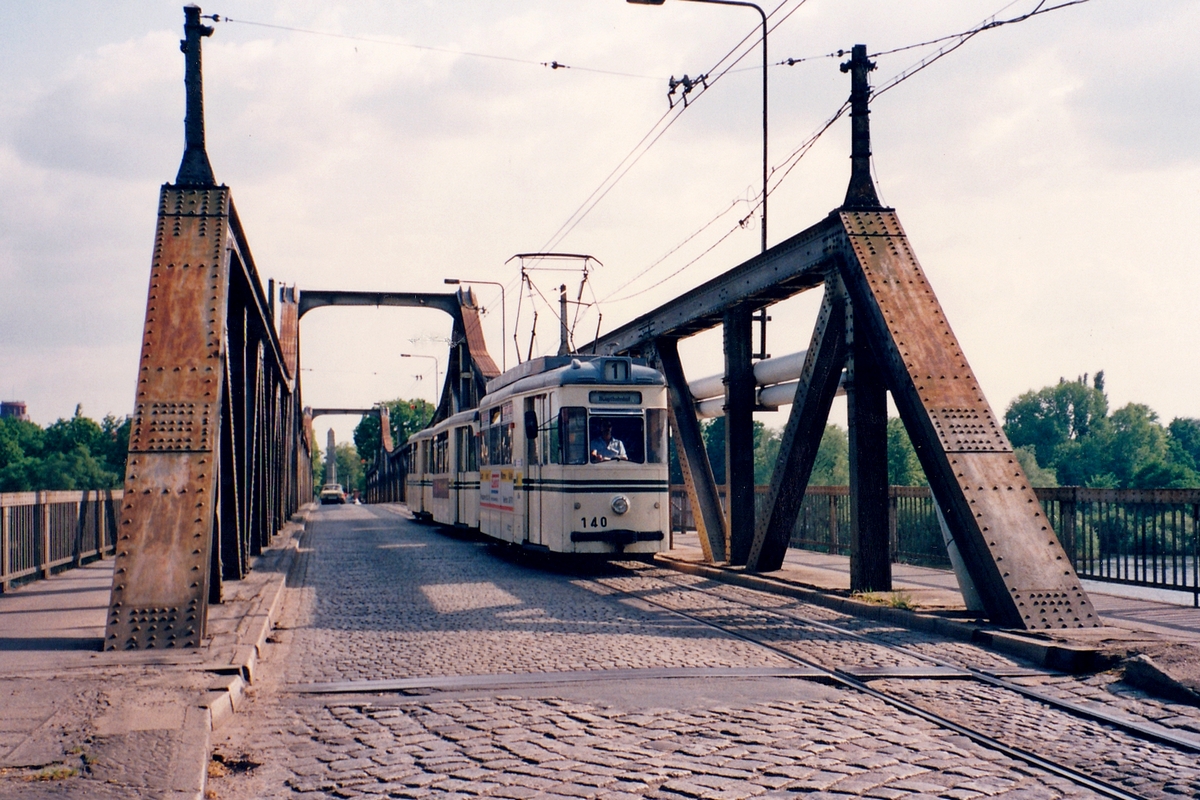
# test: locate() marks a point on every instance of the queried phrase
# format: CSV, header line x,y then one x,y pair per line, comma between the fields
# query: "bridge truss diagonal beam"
x,y
801,437
697,471
1020,569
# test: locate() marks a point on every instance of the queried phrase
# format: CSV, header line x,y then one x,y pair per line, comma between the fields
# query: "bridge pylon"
x,y
218,458
882,324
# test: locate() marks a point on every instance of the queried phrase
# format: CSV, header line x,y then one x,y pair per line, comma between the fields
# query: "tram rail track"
x,y
855,680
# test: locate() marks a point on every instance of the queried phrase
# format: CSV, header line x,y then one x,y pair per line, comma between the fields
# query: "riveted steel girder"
x,y
217,460
1021,571
161,573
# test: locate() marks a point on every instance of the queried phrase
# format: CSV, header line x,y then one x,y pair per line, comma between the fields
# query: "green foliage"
x,y
1052,417
766,452
1071,434
831,468
406,417
1039,477
349,468
713,431
766,448
904,468
76,453
1185,435
832,464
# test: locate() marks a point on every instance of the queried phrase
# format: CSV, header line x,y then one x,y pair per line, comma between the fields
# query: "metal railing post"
x,y
5,544
42,515
1066,514
80,522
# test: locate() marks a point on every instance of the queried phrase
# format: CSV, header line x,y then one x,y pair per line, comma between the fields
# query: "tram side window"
x,y
467,458
656,435
572,425
484,450
499,440
441,445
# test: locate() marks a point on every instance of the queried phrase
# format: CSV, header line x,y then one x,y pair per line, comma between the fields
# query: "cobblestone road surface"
x,y
377,597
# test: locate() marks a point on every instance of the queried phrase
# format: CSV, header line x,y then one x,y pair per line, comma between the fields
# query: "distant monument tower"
x,y
330,459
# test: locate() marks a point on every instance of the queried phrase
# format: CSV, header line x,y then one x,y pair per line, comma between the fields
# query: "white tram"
x,y
565,453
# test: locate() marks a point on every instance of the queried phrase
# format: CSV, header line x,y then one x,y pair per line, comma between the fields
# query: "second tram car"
x,y
565,453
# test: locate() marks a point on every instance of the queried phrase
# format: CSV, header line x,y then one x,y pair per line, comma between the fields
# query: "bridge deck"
x,y
581,653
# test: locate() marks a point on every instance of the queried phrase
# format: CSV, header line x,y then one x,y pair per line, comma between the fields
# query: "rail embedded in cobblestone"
x,y
1139,537
45,532
991,720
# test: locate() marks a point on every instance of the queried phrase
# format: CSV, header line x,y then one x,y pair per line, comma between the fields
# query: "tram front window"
x,y
616,438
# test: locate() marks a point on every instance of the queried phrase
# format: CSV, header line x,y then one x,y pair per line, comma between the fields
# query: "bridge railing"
x,y
1130,536
42,532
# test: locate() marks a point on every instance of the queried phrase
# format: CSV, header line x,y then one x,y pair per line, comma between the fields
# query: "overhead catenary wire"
x,y
553,65
655,133
789,163
960,39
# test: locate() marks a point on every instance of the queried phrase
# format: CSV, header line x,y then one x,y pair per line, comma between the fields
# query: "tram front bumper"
x,y
617,536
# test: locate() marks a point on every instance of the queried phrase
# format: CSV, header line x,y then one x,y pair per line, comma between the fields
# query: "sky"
x,y
1047,174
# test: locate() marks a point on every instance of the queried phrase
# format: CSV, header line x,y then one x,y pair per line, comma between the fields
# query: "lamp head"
x,y
646,2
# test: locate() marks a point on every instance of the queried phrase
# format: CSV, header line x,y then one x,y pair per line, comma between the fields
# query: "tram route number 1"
x,y
597,522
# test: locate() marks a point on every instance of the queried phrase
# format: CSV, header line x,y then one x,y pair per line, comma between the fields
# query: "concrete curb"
x,y
1040,650
240,627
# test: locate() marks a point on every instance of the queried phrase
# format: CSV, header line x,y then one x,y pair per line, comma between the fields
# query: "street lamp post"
x,y
436,383
503,322
764,91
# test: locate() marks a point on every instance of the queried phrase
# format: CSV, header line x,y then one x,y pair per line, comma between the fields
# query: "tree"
x,y
1038,476
1070,432
904,468
1185,435
831,467
406,418
1051,417
75,453
766,452
349,467
713,433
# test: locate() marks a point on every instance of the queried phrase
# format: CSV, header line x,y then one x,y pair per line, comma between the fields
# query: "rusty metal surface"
x,y
1012,553
473,330
160,581
289,331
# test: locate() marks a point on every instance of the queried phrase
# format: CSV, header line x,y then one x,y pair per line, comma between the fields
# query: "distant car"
x,y
332,493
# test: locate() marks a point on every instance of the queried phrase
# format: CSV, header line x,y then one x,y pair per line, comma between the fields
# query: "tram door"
x,y
458,484
535,420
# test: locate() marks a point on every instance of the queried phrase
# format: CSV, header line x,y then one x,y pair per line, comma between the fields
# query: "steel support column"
x,y
866,407
802,435
693,458
738,329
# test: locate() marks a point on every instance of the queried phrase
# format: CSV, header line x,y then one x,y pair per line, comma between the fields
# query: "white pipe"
x,y
774,396
766,372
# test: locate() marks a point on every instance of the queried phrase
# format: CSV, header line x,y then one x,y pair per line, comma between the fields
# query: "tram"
x,y
566,454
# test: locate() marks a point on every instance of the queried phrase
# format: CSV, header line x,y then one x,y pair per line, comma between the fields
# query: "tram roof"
x,y
547,371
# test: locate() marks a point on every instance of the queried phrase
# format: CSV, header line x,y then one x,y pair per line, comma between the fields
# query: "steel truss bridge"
x,y
221,445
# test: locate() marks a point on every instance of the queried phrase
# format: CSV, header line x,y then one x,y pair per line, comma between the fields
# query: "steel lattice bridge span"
x,y
221,445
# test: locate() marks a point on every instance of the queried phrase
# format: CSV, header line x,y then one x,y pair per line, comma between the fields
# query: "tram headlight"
x,y
620,504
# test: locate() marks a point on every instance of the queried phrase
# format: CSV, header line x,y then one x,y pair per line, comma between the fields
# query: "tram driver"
x,y
605,447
